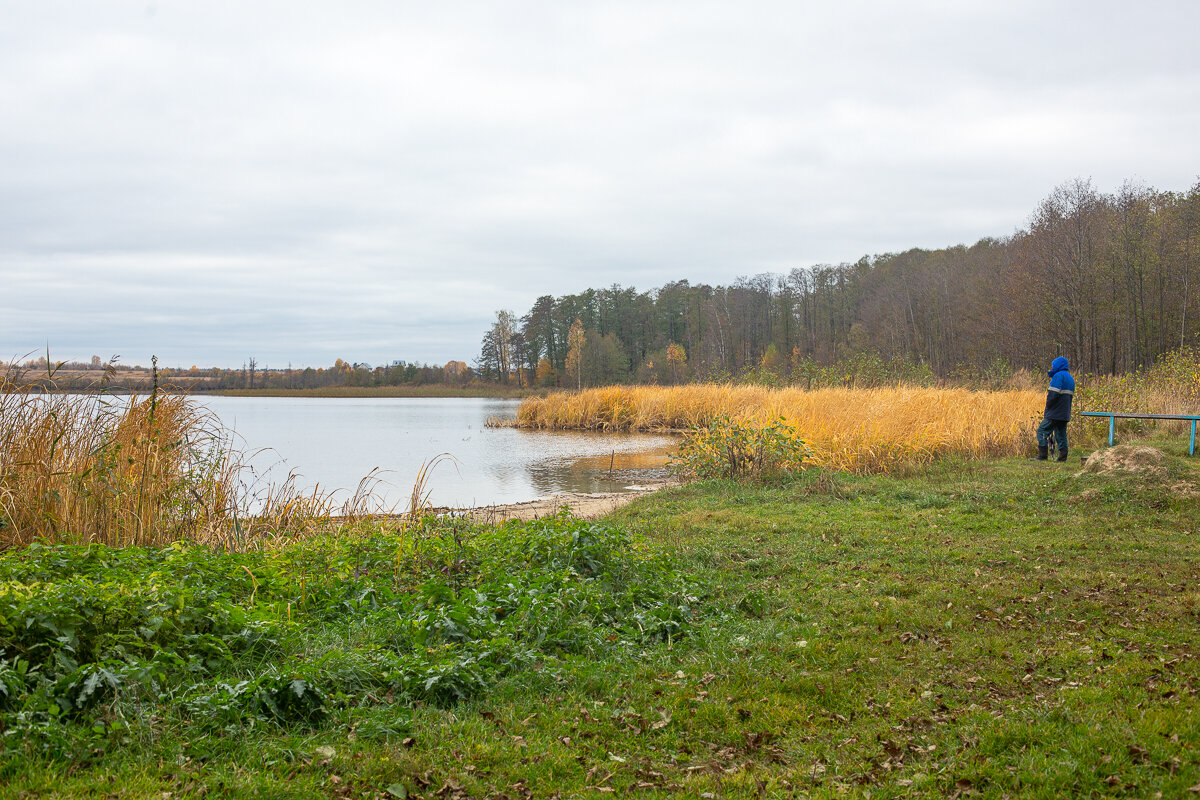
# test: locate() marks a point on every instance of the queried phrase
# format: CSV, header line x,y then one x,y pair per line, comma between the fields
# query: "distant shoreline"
x,y
429,390
432,390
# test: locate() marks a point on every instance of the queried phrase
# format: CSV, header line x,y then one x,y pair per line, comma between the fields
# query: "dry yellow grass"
x,y
859,430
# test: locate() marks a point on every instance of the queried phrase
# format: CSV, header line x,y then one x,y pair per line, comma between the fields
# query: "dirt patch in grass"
x,y
1086,496
1185,489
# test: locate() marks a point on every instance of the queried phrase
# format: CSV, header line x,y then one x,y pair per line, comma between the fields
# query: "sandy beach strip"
x,y
583,505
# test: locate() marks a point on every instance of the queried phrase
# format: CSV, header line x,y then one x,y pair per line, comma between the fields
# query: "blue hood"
x,y
1057,365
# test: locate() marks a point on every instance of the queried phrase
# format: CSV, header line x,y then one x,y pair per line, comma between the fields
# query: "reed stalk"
x,y
418,503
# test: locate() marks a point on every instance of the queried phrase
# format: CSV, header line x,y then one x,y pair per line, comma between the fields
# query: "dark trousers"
x,y
1058,426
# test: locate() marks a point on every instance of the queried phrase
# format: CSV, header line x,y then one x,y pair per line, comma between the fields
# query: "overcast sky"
x,y
300,181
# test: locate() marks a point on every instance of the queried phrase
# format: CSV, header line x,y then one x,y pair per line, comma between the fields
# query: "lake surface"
x,y
334,443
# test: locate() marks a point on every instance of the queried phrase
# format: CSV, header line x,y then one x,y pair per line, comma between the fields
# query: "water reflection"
x,y
333,442
603,473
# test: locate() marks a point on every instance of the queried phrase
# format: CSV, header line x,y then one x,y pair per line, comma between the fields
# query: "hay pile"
x,y
1132,458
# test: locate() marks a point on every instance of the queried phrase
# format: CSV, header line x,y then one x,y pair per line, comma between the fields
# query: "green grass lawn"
x,y
1000,629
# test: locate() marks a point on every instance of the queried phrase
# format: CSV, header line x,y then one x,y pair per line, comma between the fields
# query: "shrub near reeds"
x,y
859,430
727,449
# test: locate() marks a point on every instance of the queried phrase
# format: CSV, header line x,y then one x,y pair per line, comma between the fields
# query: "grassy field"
x,y
966,629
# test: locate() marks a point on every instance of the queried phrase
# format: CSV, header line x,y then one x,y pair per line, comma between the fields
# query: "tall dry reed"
x,y
94,468
860,430
144,471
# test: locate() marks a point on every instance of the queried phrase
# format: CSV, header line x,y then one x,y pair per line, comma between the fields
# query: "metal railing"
x,y
1114,415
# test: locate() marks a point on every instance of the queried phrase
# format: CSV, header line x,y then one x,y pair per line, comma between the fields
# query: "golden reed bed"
x,y
858,430
143,471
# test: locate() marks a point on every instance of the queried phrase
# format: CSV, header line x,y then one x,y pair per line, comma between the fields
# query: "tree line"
x,y
97,374
1105,279
342,373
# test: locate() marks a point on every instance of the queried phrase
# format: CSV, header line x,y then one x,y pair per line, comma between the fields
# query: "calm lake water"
x,y
335,442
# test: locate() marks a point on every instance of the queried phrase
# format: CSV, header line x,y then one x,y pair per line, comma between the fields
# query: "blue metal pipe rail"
x,y
1113,415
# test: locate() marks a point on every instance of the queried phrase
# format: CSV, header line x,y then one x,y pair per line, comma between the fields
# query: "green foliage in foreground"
x,y
106,647
974,630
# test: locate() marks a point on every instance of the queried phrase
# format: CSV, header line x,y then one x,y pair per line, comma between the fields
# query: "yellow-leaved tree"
x,y
575,342
676,357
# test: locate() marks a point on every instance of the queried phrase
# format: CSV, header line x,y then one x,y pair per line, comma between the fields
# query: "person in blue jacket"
x,y
1058,410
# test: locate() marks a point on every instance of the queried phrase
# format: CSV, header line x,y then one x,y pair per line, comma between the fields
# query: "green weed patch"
x,y
102,645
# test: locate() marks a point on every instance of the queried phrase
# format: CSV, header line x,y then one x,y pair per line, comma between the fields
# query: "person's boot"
x,y
1043,453
1062,454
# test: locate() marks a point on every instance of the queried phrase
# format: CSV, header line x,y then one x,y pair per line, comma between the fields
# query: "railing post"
x,y
1112,424
1192,446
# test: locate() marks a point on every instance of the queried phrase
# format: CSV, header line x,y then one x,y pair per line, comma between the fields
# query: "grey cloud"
x,y
372,180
